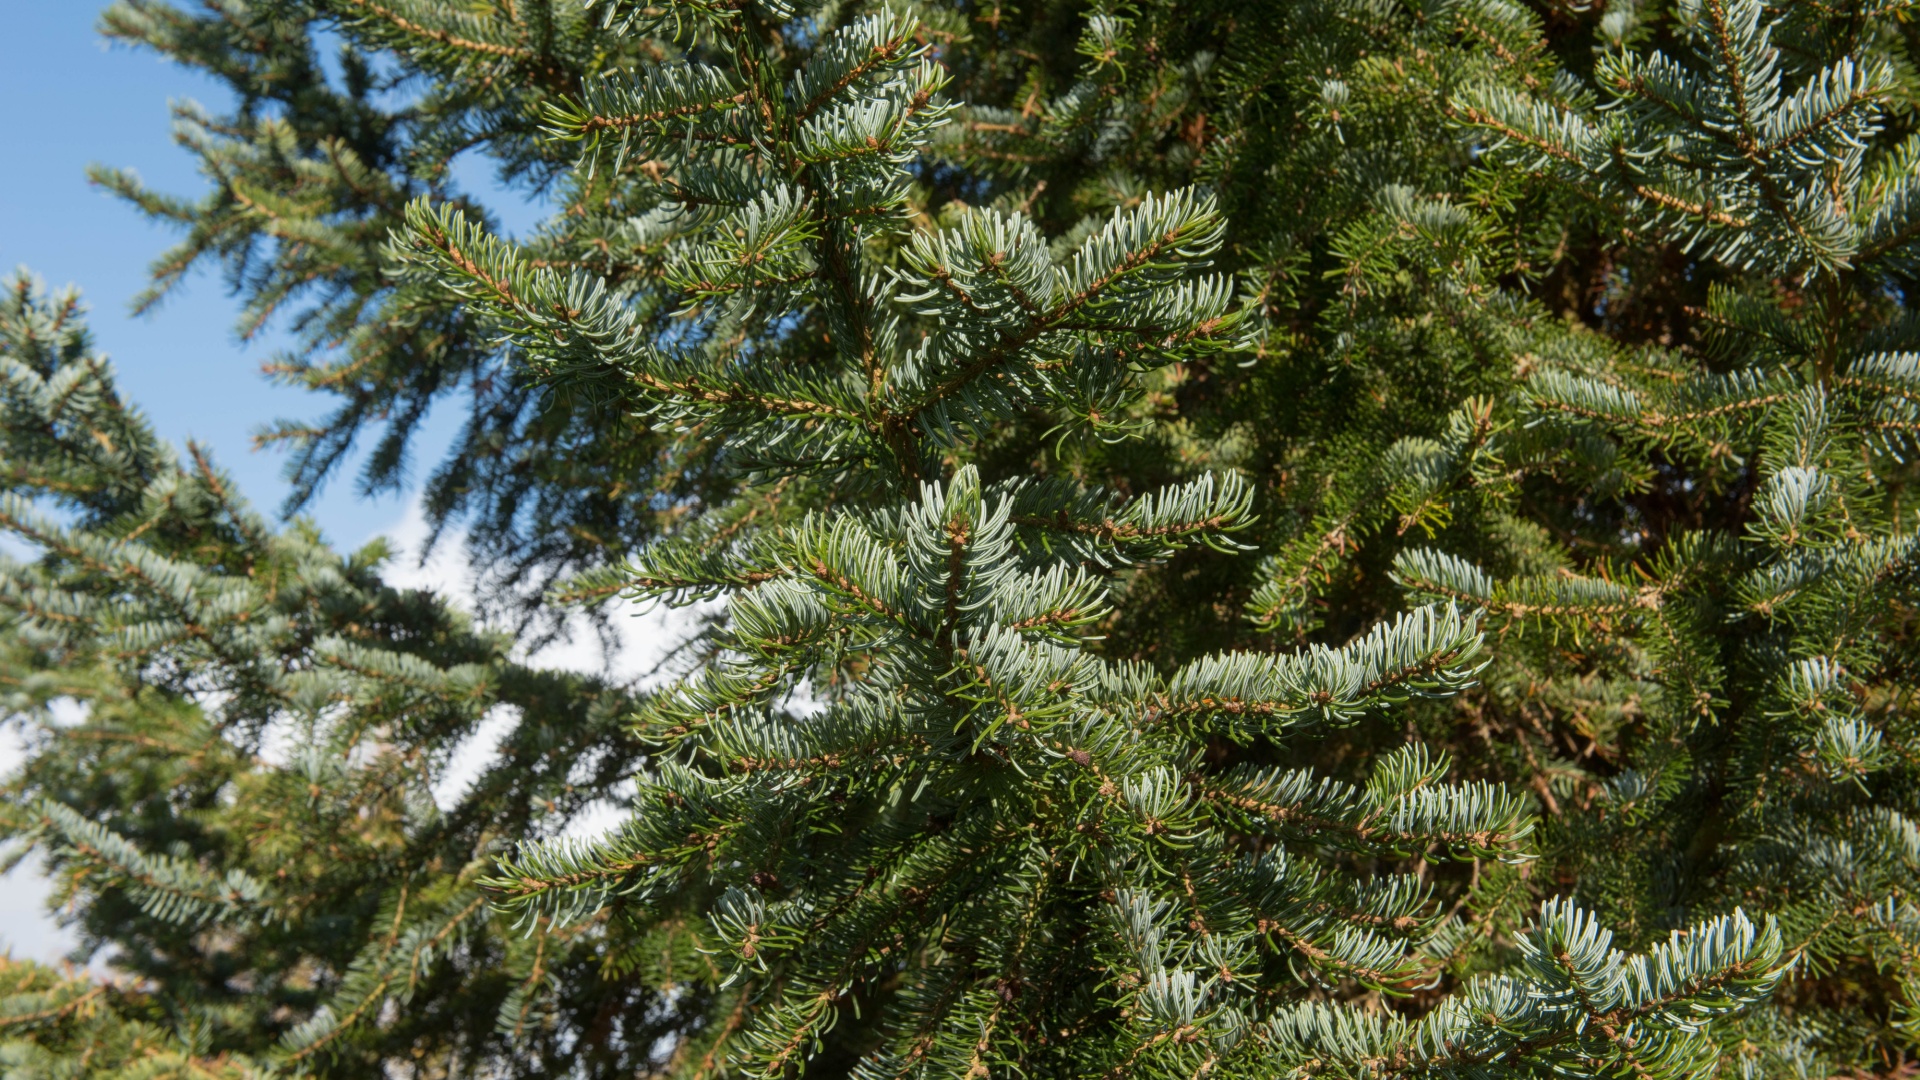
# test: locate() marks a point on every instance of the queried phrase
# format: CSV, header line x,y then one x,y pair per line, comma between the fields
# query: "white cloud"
x,y
645,638
470,757
27,927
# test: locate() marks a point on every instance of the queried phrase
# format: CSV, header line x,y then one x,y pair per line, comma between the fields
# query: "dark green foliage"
x,y
260,907
1347,538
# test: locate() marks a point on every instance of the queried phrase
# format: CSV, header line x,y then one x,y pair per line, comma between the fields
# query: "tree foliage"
x,y
1340,537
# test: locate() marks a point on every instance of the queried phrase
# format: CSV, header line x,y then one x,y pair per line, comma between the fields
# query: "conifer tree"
x,y
1352,538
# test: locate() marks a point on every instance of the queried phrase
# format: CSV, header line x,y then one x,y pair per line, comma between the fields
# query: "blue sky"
x,y
182,363
75,101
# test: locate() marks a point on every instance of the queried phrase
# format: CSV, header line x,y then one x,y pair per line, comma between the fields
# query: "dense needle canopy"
x,y
1358,538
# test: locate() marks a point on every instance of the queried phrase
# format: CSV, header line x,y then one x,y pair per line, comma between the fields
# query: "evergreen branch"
x,y
1429,652
169,888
